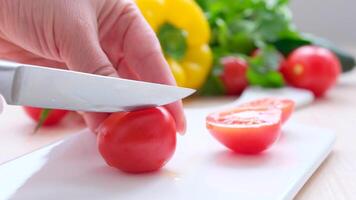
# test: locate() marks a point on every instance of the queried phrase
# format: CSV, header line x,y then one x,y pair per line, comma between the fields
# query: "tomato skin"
x,y
247,141
247,137
313,68
234,75
54,117
287,106
138,141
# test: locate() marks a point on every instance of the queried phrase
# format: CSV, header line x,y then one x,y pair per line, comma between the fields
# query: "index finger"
x,y
144,56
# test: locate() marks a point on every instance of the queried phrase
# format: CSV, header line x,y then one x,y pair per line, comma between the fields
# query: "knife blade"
x,y
44,87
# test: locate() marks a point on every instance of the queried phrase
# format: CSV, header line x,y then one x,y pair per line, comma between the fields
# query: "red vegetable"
x,y
234,75
53,118
313,68
245,129
285,105
138,141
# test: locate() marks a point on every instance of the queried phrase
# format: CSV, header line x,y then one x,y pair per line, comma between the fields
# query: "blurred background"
x,y
332,19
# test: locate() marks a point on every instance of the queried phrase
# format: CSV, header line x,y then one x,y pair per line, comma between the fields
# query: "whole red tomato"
x,y
138,141
234,75
313,68
53,118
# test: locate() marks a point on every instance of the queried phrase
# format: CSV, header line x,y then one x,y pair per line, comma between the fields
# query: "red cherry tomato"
x,y
234,75
245,130
138,141
54,117
285,105
313,68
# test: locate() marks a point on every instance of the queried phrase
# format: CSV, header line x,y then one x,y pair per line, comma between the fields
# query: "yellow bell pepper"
x,y
184,34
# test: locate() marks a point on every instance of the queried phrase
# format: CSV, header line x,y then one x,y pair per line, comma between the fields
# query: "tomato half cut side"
x,y
286,105
245,130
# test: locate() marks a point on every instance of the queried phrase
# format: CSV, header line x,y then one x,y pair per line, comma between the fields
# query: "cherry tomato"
x,y
54,117
234,75
285,105
138,141
245,130
313,68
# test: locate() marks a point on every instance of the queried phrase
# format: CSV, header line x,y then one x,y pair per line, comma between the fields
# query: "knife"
x,y
37,86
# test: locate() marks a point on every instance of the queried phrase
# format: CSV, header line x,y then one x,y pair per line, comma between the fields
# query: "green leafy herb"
x,y
269,79
263,68
241,26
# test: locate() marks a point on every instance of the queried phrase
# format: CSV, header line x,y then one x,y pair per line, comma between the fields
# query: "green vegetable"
x,y
241,26
173,41
269,79
263,68
287,45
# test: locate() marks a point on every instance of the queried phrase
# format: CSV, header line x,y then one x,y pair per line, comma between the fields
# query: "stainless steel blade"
x,y
61,89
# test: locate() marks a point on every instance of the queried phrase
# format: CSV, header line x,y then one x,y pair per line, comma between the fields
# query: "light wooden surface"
x,y
335,179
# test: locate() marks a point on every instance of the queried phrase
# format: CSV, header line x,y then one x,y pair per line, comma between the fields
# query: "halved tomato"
x,y
244,129
286,105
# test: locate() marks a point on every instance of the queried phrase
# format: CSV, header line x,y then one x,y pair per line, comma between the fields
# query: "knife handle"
x,y
7,77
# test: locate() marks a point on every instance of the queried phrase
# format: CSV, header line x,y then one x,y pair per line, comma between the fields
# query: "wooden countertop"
x,y
335,179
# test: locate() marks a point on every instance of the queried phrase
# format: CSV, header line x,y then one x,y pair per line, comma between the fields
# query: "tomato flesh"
x,y
285,105
138,141
54,117
245,130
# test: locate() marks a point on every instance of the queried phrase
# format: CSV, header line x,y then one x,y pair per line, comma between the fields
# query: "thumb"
x,y
81,51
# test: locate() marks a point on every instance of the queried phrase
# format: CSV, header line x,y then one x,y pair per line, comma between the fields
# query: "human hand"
x,y
105,37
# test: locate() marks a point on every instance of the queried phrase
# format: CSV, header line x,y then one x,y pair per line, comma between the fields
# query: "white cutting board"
x,y
200,169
